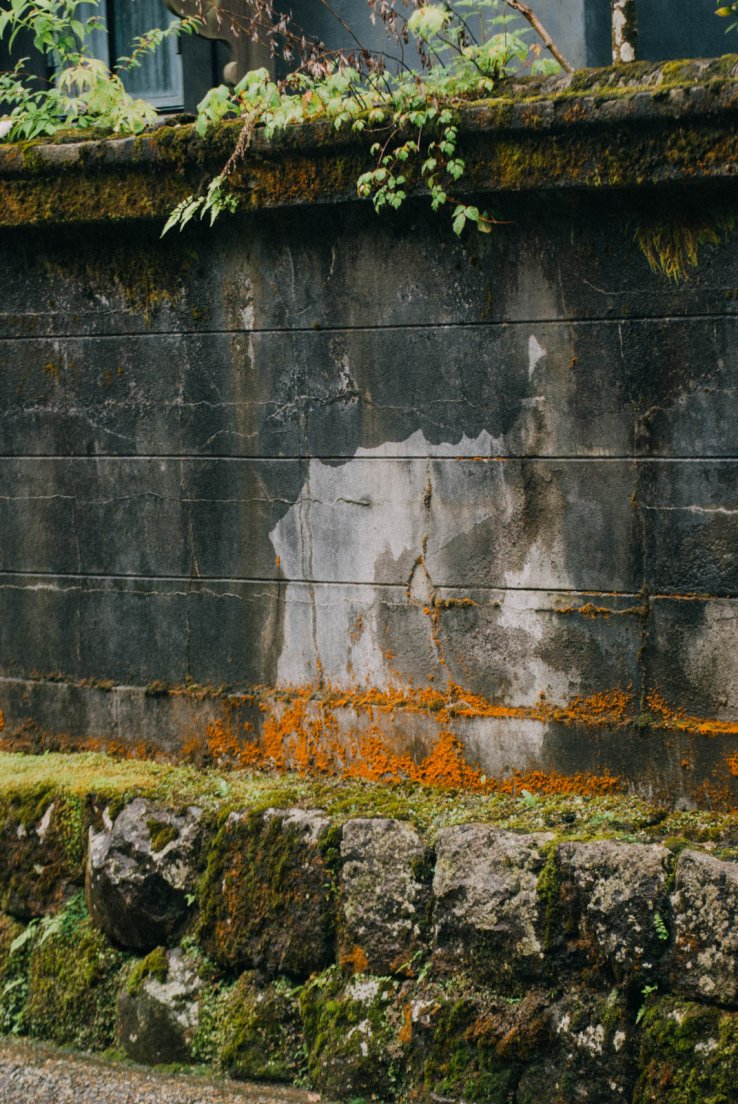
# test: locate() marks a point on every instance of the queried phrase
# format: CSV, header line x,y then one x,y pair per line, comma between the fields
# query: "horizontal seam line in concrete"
x,y
260,580
317,329
625,458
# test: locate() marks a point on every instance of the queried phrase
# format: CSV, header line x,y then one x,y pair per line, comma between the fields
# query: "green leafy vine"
x,y
414,115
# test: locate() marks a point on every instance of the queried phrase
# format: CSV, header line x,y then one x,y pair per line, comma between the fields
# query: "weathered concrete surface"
x,y
247,459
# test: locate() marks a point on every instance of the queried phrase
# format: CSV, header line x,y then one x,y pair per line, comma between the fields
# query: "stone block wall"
x,y
315,488
589,958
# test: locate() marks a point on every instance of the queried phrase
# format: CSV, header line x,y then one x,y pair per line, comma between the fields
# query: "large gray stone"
x,y
587,1053
158,1012
487,911
615,898
385,894
140,870
705,904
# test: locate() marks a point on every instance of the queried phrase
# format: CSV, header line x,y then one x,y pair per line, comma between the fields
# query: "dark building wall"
x,y
582,28
312,450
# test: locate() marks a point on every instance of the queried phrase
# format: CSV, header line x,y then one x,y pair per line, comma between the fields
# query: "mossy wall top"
x,y
321,489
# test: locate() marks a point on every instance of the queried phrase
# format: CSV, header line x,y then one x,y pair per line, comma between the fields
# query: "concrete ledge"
x,y
645,124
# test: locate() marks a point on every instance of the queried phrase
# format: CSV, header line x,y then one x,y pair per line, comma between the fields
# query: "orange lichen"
x,y
593,612
666,717
354,960
405,1034
361,732
606,707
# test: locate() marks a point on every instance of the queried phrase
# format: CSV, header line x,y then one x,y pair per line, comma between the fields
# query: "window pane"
x,y
159,77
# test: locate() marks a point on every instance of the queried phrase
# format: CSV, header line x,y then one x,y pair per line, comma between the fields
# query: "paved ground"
x,y
34,1074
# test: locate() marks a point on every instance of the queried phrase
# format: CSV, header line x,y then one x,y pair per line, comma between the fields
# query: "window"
x,y
159,79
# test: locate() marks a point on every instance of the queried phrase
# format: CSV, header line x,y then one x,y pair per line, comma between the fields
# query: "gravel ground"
x,y
36,1074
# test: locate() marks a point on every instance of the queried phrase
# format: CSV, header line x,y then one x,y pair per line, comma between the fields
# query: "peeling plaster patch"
x,y
347,521
247,315
416,445
536,352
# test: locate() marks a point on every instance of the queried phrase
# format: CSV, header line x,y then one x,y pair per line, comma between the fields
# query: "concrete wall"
x,y
315,451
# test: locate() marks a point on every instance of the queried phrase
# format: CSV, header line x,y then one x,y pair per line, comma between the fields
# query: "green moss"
x,y
263,883
73,980
250,1031
15,949
548,891
353,1035
473,1045
42,839
689,1055
155,965
29,783
161,834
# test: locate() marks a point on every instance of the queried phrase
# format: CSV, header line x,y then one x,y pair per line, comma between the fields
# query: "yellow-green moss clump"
x,y
161,834
42,839
73,979
94,781
689,1054
251,1031
155,965
353,1035
672,244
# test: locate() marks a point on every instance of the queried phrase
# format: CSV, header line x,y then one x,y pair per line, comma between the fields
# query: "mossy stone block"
x,y
385,895
615,907
259,1031
141,870
705,903
354,1036
689,1054
470,1044
42,836
488,913
73,980
586,1052
158,1007
267,897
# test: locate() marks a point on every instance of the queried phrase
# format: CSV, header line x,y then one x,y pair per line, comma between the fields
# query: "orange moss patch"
x,y
685,722
358,733
354,960
405,1034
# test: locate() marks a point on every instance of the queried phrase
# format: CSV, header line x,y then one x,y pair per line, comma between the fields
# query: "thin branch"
x,y
542,33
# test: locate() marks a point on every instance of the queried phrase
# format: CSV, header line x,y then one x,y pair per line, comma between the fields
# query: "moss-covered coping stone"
x,y
623,127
